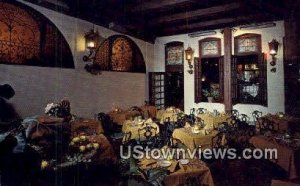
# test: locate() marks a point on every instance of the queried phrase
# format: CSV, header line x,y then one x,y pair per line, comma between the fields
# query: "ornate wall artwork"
x,y
209,48
117,53
247,44
121,55
28,38
174,54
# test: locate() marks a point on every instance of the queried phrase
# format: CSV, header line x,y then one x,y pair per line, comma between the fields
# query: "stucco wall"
x,y
89,94
275,80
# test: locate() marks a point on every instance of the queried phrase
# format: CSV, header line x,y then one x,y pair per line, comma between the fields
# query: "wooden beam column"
x,y
227,69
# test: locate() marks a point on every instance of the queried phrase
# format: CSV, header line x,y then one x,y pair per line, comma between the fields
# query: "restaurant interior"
x,y
98,92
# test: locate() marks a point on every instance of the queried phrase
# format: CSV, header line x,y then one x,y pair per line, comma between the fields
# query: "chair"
x,y
243,122
105,121
217,141
232,122
127,141
267,125
126,138
181,119
256,114
201,110
192,111
235,113
148,136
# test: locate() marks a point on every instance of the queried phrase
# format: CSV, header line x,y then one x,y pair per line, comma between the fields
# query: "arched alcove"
x,y
119,53
29,38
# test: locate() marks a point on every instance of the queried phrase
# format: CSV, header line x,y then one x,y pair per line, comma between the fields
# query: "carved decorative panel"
x,y
28,38
102,59
121,58
19,35
119,53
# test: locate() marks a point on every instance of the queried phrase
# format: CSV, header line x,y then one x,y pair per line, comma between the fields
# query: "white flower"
x,y
49,107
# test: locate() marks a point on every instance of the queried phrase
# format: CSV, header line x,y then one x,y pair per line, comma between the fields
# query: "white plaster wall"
x,y
37,86
275,80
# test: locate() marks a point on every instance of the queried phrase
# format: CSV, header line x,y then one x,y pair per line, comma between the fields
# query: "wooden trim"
x,y
208,40
221,79
247,35
197,78
227,69
199,13
263,86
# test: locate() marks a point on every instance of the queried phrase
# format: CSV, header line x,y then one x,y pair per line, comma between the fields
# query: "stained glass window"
x,y
247,44
209,48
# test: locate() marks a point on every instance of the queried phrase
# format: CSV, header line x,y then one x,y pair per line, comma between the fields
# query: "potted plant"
x,y
211,94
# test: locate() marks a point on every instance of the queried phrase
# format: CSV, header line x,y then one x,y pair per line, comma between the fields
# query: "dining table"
x,y
92,126
179,173
170,115
212,120
119,116
281,122
202,138
288,152
133,127
149,110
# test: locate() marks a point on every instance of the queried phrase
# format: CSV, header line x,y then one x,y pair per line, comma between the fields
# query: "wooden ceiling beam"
x,y
204,24
195,14
157,4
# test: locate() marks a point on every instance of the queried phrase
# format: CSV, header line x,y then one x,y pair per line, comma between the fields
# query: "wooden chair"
x,y
148,136
126,140
201,110
217,141
235,113
256,115
105,121
267,125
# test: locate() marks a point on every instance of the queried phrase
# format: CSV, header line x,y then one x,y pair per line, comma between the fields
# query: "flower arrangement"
x,y
211,93
56,110
82,149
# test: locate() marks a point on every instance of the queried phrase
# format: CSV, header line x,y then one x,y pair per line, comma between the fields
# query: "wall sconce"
x,y
91,43
189,56
273,49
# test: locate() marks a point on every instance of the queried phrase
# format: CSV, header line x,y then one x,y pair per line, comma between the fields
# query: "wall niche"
x,y
29,38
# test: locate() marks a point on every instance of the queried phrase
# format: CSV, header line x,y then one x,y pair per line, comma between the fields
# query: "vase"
x,y
210,99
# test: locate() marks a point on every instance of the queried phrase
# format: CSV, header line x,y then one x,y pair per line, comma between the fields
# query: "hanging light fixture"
x,y
189,52
91,43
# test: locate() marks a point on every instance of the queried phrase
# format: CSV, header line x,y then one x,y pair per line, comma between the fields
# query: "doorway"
x,y
174,89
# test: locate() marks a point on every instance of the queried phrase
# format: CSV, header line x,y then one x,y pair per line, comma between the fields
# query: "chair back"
x,y
201,110
266,125
192,111
147,132
217,141
235,113
256,114
105,121
126,137
245,118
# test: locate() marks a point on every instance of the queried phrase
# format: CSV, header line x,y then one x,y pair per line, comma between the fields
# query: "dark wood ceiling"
x,y
148,19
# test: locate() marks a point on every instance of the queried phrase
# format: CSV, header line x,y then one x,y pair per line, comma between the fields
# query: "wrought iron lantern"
x,y
189,56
